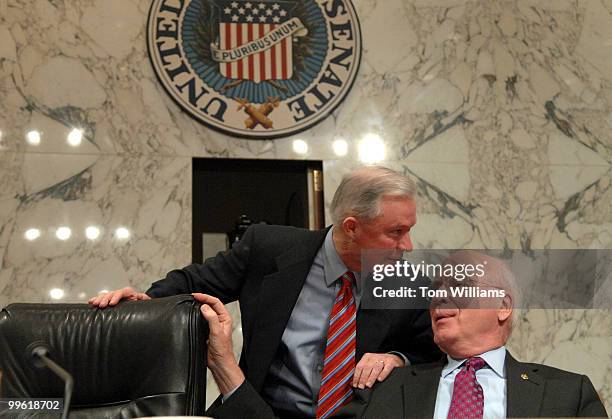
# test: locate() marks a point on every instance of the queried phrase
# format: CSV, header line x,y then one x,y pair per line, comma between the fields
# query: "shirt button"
x,y
320,368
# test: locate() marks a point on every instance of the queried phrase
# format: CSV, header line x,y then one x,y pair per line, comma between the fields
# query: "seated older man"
x,y
479,379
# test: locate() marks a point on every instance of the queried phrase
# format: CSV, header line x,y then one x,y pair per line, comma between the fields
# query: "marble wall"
x,y
500,110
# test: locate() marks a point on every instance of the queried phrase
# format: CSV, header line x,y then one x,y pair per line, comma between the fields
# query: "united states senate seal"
x,y
255,69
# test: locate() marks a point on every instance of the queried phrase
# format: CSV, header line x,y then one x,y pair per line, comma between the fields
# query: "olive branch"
x,y
302,47
206,33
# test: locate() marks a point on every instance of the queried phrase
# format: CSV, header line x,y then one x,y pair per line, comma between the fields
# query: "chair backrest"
x,y
140,358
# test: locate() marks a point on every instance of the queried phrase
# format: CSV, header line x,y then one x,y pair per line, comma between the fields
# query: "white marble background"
x,y
500,110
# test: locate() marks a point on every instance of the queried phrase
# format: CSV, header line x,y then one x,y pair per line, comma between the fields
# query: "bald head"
x,y
471,326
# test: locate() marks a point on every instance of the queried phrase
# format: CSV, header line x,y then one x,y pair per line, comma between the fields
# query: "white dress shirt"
x,y
491,377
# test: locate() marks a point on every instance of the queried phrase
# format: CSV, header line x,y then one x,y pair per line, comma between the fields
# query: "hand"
x,y
113,297
373,367
221,360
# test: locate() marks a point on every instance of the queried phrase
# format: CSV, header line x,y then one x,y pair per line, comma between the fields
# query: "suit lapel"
x,y
278,295
420,393
372,326
524,389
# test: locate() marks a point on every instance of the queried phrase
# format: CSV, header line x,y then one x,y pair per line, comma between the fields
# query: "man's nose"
x,y
406,243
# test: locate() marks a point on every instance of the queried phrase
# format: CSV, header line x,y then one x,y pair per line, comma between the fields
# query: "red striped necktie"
x,y
339,362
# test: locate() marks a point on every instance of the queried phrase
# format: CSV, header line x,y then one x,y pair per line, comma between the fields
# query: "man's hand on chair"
x,y
221,360
112,298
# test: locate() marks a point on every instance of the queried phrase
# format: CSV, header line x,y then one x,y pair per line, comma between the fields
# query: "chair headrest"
x,y
118,353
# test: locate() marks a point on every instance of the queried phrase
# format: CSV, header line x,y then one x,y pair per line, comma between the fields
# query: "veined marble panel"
x,y
500,110
148,196
494,67
485,66
84,65
500,205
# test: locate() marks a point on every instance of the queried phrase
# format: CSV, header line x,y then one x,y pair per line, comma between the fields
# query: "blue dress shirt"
x,y
492,379
293,383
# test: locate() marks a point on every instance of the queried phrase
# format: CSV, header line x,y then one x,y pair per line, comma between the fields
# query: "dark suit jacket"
x,y
533,390
265,271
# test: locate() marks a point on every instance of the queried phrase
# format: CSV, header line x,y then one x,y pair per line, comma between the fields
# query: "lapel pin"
x,y
524,376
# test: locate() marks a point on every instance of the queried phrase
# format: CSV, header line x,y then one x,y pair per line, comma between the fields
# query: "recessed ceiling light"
x,y
371,149
63,233
33,137
32,234
300,147
75,137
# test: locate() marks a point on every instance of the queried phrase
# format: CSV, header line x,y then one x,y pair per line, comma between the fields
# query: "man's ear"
x,y
349,226
505,311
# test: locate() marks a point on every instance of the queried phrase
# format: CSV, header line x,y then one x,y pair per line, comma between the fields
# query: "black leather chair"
x,y
143,358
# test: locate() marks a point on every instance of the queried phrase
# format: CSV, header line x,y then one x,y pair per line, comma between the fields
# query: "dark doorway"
x,y
285,192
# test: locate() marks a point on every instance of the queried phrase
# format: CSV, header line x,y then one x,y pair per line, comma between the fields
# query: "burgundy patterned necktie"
x,y
339,362
468,398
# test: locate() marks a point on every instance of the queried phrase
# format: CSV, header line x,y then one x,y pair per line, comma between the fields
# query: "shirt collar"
x,y
495,359
332,264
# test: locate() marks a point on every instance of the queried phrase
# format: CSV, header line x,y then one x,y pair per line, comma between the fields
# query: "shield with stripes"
x,y
256,44
255,68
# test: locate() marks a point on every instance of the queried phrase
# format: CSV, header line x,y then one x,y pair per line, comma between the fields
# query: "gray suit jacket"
x,y
533,390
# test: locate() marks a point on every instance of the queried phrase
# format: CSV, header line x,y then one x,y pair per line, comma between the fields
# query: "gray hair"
x,y
361,190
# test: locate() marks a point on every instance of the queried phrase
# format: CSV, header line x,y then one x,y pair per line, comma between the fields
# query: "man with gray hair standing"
x,y
307,342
